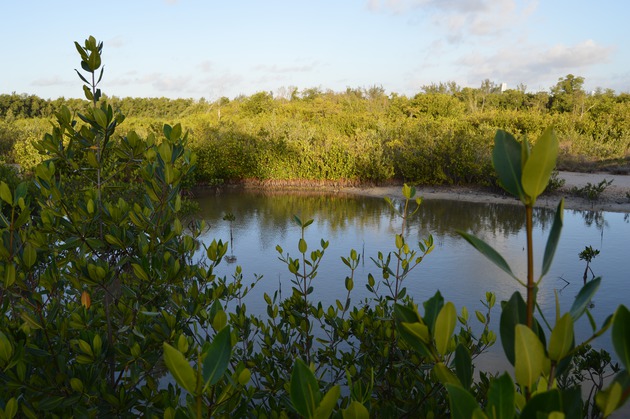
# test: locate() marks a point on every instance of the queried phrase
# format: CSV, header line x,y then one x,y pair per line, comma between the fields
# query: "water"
x,y
368,225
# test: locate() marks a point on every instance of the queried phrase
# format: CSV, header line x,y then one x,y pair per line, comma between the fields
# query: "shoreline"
x,y
616,197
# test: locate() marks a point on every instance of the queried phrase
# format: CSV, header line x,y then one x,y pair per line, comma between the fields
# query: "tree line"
x,y
442,135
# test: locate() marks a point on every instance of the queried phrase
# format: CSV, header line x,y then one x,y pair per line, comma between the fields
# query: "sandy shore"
x,y
616,197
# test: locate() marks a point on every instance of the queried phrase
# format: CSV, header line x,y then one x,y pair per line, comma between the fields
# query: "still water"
x,y
456,269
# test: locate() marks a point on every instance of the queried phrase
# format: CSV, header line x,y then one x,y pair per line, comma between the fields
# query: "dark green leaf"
x,y
218,357
621,335
506,158
304,391
513,313
432,308
584,297
554,237
487,250
567,401
462,403
501,398
463,366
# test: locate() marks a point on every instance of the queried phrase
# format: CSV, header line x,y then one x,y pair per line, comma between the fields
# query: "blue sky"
x,y
209,48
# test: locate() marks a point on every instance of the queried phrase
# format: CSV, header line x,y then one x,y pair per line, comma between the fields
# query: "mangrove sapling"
x,y
588,254
231,218
590,191
302,281
524,172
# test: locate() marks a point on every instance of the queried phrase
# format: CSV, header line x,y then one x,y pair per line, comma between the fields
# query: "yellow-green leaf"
x,y
444,327
561,340
328,403
355,411
529,356
5,193
540,164
608,400
139,272
178,365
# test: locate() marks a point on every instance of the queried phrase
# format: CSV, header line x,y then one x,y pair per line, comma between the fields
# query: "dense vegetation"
x,y
440,136
107,310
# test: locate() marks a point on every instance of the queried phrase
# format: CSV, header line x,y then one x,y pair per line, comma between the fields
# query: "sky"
x,y
216,48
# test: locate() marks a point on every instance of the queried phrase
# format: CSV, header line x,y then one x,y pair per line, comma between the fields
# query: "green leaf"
x,y
608,400
9,275
621,335
139,272
5,193
540,164
513,313
29,255
567,401
445,375
6,349
584,297
444,327
328,403
418,330
529,355
487,250
11,408
176,132
561,340
406,314
547,402
501,401
218,357
506,159
554,237
178,365
463,404
304,391
463,366
355,411
432,308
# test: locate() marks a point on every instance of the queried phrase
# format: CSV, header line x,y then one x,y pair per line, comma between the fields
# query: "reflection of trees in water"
x,y
444,217
274,210
594,218
343,212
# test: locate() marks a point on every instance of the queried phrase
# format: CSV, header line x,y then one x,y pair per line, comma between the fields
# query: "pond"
x,y
368,225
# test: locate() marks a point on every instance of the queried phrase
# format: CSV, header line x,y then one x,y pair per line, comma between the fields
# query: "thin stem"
x,y
530,267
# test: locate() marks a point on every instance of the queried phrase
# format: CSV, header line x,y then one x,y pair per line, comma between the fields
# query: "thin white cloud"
x,y
534,64
276,69
50,81
460,20
207,66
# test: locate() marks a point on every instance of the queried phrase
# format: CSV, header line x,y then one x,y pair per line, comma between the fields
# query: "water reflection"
x,y
265,219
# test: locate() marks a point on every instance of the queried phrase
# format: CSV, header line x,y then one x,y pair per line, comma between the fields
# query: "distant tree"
x,y
258,103
450,88
487,89
568,94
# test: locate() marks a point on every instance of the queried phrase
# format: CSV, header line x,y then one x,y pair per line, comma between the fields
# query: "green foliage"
x,y
539,366
440,136
110,307
590,191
